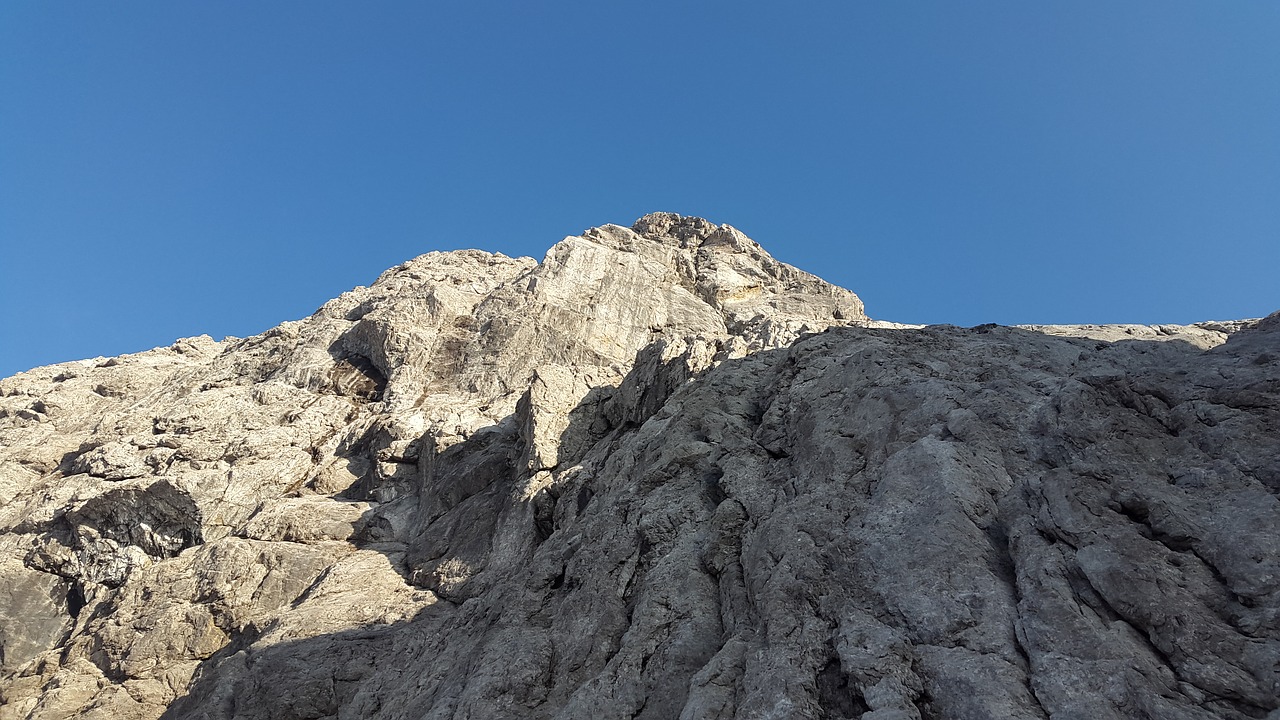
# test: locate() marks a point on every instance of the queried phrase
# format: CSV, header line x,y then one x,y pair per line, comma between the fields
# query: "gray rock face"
x,y
657,475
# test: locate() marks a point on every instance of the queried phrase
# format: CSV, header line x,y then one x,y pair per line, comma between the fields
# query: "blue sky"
x,y
171,169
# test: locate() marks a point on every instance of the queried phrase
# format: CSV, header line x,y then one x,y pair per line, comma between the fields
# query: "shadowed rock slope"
x,y
657,475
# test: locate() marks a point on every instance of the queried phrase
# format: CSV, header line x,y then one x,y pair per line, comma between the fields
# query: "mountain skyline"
x,y
168,171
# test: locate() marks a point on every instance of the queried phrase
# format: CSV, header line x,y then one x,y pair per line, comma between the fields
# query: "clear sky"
x,y
170,169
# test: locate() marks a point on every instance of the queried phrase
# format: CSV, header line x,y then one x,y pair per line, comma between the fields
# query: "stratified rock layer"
x,y
657,475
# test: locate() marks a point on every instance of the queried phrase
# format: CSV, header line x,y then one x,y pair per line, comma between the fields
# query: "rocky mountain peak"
x,y
658,474
683,232
471,322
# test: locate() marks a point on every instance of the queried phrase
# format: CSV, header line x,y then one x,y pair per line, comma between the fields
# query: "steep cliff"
x,y
657,475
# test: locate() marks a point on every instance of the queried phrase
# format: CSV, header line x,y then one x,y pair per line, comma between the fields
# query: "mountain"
x,y
657,475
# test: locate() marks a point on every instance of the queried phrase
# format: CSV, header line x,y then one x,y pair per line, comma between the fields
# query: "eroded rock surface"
x,y
657,475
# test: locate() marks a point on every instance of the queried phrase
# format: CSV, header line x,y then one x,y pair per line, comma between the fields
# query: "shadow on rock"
x,y
562,591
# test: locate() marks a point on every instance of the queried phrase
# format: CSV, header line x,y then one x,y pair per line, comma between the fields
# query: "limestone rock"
x,y
658,474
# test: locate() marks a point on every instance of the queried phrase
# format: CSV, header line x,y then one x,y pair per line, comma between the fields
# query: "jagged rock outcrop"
x,y
657,475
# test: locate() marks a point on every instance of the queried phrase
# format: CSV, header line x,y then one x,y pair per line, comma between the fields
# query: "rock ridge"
x,y
658,474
